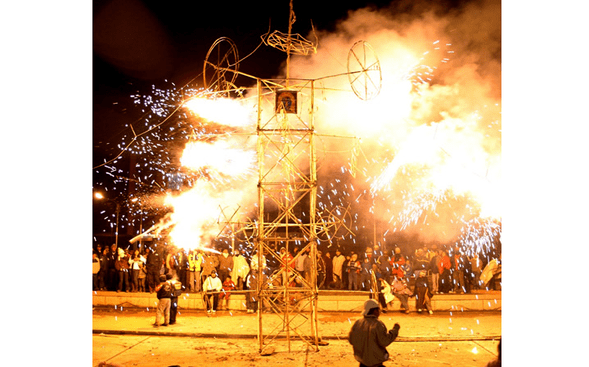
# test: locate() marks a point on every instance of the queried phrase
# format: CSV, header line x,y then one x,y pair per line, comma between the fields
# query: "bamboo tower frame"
x,y
285,190
287,180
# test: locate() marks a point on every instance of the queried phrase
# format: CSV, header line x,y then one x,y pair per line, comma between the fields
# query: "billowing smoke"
x,y
417,162
431,139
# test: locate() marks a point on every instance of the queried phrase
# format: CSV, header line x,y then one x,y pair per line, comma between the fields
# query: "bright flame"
x,y
197,212
219,156
229,112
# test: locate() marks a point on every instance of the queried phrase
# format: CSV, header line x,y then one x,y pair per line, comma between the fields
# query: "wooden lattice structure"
x,y
287,179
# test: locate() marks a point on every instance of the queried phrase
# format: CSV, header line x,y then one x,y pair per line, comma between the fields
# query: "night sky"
x,y
137,44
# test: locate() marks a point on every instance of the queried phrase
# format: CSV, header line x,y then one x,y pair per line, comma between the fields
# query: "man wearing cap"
x,y
369,337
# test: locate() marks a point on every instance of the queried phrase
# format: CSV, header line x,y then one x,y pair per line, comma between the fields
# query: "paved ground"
x,y
127,338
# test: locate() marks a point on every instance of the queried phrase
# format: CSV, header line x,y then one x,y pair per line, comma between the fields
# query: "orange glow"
x,y
223,111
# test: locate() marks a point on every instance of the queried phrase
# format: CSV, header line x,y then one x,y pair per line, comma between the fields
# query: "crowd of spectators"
x,y
447,270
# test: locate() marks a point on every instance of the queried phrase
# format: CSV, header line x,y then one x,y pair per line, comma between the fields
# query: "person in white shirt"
x,y
135,262
211,288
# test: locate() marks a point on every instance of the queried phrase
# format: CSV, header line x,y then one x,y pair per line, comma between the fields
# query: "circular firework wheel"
x,y
331,222
221,65
364,71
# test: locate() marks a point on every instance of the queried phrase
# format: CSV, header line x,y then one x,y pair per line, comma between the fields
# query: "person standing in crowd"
x,y
183,265
211,287
299,263
328,270
142,277
346,271
354,268
476,268
210,263
225,264
228,286
240,269
251,298
153,263
423,293
338,264
430,253
458,271
434,266
370,255
287,265
113,274
402,292
174,294
172,264
95,271
164,294
384,265
194,266
255,265
369,337
420,262
444,267
122,266
136,262
321,271
103,274
366,273
376,251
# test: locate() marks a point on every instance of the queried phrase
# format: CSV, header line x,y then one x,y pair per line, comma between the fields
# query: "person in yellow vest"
x,y
194,266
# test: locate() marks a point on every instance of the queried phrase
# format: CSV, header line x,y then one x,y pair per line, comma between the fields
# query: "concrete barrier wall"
x,y
327,301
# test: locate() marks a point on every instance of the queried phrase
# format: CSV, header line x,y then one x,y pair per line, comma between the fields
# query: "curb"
x,y
399,339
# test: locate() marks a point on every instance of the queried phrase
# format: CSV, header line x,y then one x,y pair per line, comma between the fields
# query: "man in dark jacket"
x,y
225,265
112,278
164,293
459,265
369,337
153,264
175,293
420,262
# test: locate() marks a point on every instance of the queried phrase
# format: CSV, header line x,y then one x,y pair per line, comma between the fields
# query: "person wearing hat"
x,y
369,337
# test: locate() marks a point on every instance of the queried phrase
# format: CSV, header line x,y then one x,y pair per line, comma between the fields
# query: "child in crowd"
x,y
228,286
